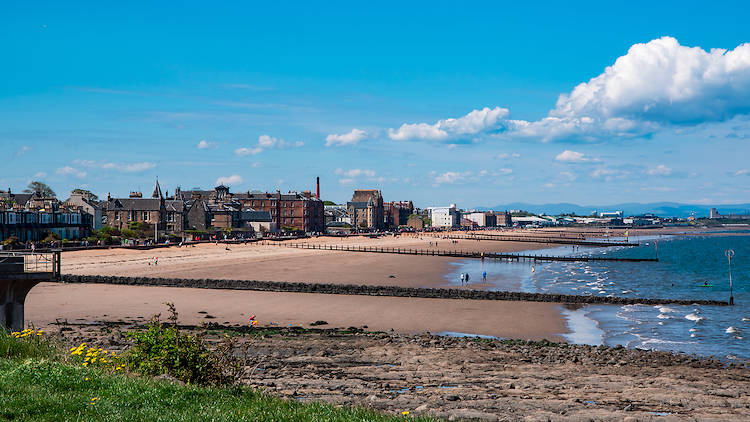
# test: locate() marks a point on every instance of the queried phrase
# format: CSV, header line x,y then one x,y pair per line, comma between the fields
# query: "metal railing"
x,y
34,262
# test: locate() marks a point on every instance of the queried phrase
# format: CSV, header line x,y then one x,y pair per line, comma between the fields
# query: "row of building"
x,y
206,213
367,211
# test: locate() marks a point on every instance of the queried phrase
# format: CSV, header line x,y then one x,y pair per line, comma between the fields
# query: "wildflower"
x,y
86,379
405,412
85,364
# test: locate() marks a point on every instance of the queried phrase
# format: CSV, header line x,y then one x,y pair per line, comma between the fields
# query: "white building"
x,y
444,217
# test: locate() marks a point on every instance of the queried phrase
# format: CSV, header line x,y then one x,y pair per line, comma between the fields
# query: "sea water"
x,y
685,264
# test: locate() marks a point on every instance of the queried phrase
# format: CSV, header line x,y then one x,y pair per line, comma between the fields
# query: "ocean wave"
x,y
732,330
663,316
664,309
694,317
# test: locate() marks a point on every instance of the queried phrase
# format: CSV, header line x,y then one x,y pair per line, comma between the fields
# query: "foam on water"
x,y
694,317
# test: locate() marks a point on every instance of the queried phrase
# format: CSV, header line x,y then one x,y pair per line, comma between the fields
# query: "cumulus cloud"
x,y
482,121
40,175
23,150
267,142
203,144
505,155
229,180
349,138
655,84
660,170
70,171
569,156
742,172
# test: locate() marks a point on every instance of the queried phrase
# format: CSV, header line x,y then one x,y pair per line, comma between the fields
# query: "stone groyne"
x,y
367,290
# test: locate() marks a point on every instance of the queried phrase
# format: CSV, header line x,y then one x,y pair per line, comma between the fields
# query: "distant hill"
x,y
662,209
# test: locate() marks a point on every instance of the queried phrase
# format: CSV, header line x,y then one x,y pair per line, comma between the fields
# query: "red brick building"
x,y
397,213
298,211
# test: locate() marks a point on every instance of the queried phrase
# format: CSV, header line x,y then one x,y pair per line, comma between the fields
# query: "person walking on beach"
x,y
484,276
467,279
463,278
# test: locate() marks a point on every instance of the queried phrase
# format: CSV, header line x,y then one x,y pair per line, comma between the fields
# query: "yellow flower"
x,y
85,364
86,379
405,412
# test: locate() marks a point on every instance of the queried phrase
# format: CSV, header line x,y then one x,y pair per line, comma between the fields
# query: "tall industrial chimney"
x,y
317,187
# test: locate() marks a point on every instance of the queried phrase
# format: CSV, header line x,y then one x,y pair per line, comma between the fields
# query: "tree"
x,y
329,203
86,193
40,188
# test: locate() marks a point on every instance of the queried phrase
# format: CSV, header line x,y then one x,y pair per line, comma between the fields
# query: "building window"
x,y
117,215
145,215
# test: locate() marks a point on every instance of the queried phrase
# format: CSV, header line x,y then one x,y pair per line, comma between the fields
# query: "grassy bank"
x,y
39,383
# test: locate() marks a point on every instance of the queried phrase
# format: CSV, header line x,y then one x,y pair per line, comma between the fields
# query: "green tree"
x,y
40,188
85,192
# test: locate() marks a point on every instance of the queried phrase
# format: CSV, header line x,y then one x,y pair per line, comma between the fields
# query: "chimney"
x,y
317,187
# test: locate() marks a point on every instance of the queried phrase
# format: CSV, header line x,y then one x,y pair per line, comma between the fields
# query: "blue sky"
x,y
436,102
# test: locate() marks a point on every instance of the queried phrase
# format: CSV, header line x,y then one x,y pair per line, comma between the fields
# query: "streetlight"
x,y
729,254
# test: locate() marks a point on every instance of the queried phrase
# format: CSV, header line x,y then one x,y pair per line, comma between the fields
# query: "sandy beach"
x,y
50,302
272,261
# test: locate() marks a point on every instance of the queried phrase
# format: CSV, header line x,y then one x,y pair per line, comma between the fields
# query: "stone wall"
x,y
350,289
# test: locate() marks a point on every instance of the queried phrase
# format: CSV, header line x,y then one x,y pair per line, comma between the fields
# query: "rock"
x,y
169,378
452,398
628,408
372,398
467,414
630,419
421,408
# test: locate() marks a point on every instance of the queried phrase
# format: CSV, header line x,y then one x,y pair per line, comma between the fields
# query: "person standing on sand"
x,y
463,277
467,279
484,277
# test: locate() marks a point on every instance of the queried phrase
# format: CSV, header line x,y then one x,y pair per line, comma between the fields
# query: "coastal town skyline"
x,y
501,108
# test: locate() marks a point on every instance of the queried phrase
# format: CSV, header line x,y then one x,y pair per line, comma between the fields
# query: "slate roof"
x,y
256,216
134,204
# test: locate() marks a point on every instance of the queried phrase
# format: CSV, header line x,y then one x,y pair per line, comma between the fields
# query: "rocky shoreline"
x,y
469,378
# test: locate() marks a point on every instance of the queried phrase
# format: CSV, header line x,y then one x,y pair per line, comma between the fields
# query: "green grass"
x,y
37,384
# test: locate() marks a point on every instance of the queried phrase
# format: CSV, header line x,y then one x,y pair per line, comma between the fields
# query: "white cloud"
x,y
571,157
660,170
505,155
486,120
40,175
655,84
451,177
354,172
135,167
742,172
70,171
23,150
121,167
346,181
248,151
267,142
349,138
203,144
229,180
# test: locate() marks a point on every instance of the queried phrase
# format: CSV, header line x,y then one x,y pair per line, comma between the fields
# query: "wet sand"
x,y
50,302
